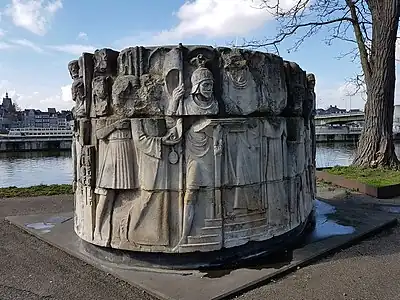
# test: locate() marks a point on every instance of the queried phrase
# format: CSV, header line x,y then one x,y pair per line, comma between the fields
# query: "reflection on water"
x,y
24,169
338,154
334,154
46,226
31,168
325,227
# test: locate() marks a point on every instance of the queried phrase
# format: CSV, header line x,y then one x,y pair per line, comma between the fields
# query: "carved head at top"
x,y
105,61
234,61
202,79
310,81
124,88
236,68
73,67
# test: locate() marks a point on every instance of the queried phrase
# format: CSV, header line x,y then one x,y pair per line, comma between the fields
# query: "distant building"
x,y
335,110
31,118
45,119
7,113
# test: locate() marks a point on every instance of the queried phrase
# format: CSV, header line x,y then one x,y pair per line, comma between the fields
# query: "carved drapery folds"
x,y
184,149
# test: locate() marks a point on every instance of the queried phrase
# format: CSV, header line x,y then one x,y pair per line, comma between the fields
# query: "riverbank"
x,y
377,177
35,191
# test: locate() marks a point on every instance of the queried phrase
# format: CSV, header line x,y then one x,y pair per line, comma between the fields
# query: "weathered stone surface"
x,y
184,149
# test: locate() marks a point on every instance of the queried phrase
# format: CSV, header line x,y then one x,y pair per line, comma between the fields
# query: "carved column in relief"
x,y
185,149
79,137
296,162
77,92
311,100
275,170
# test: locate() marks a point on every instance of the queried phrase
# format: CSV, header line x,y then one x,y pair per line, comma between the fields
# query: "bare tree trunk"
x,y
376,147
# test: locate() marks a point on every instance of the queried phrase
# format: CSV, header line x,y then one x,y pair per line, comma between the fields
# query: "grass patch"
x,y
36,190
378,177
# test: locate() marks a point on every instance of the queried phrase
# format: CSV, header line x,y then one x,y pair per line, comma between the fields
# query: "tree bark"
x,y
376,147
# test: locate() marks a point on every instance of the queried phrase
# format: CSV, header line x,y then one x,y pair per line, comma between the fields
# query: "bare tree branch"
x,y
284,35
348,21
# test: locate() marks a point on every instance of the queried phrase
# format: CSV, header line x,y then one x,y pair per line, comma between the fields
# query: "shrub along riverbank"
x,y
37,190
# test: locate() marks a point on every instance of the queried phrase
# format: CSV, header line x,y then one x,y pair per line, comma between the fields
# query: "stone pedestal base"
x,y
225,258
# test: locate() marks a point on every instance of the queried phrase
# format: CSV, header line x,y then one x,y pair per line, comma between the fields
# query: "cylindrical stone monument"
x,y
188,149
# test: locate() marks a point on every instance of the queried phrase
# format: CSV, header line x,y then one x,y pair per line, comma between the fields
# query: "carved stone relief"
x,y
77,90
167,158
240,94
297,84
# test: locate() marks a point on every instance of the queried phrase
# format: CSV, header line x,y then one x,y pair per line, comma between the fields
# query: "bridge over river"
x,y
343,118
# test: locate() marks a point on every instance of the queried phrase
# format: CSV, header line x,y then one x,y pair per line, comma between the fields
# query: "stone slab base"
x,y
337,227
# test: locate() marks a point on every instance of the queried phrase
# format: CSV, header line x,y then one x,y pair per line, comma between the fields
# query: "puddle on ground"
x,y
324,228
40,226
46,226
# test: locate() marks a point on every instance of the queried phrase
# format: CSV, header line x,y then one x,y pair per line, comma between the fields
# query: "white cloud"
x,y
219,18
74,49
31,98
29,44
2,32
33,15
82,36
4,46
61,100
338,94
66,95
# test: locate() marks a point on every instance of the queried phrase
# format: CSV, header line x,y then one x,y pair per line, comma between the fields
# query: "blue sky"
x,y
39,37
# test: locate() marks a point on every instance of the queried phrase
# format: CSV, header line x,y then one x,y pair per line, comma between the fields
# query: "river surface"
x,y
24,169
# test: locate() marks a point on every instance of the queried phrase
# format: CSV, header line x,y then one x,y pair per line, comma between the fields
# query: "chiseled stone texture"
x,y
183,149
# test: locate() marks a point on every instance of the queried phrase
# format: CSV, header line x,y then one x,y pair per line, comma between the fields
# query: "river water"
x,y
32,168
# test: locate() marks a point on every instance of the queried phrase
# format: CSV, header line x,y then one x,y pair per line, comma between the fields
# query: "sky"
x,y
39,37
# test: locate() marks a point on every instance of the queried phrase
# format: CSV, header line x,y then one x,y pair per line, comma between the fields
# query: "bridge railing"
x,y
339,115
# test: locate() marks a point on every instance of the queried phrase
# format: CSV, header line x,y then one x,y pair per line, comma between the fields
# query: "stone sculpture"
x,y
186,149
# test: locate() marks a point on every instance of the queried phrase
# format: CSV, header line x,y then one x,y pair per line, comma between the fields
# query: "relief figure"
x,y
77,90
101,95
275,168
240,93
201,146
242,160
154,141
201,100
199,140
117,170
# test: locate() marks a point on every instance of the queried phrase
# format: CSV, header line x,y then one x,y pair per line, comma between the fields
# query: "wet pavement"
x,y
31,269
326,226
338,226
